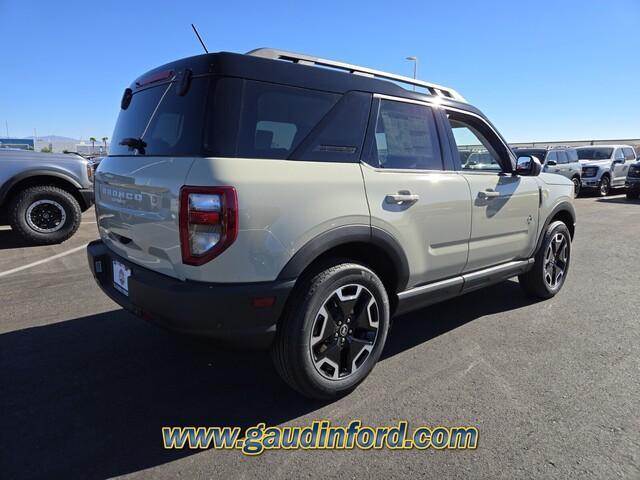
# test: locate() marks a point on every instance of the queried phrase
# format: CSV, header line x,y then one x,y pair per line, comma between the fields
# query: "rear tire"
x,y
44,215
577,183
333,330
551,266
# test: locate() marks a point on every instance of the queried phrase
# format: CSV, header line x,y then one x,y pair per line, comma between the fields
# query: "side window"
x,y
406,137
629,154
562,157
619,155
572,155
276,118
553,155
477,150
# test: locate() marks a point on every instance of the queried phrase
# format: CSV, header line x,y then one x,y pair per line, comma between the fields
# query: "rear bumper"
x,y
221,311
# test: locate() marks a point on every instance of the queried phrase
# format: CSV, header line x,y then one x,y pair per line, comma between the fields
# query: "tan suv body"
x,y
260,198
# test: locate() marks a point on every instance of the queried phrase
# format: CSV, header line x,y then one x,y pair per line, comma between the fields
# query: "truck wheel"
x,y
551,265
44,214
333,331
633,195
605,186
576,186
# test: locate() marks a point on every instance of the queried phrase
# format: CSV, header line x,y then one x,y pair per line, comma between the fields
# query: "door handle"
x,y
403,197
488,194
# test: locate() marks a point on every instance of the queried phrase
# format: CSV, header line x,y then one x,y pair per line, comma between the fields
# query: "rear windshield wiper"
x,y
134,144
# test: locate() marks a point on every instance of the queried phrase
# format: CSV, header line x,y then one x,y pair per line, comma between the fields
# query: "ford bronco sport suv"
x,y
262,198
560,160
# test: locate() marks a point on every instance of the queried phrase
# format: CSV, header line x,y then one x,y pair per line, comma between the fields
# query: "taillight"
x,y
208,222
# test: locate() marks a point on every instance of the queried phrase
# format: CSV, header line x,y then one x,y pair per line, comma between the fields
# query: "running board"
x,y
435,292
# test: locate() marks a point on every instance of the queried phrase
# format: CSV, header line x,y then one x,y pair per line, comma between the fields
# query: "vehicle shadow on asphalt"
x,y
88,397
619,200
10,239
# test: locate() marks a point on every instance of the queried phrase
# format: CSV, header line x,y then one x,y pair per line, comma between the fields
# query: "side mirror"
x,y
528,166
552,163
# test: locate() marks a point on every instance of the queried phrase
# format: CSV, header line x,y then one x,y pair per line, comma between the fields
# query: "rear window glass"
x,y
594,153
167,123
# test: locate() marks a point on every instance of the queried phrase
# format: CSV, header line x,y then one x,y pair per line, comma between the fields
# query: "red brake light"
x,y
208,222
154,77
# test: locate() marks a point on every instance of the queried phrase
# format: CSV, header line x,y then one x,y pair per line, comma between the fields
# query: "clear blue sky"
x,y
541,70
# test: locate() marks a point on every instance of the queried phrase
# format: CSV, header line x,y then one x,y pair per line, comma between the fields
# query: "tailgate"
x,y
137,201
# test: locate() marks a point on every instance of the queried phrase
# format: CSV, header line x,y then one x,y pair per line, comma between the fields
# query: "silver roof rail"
x,y
303,59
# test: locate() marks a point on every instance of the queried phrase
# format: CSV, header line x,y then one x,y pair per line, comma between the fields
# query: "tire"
x,y
316,329
605,186
44,215
577,183
543,281
633,195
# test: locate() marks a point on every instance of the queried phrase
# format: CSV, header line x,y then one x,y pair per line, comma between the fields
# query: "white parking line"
x,y
7,227
44,260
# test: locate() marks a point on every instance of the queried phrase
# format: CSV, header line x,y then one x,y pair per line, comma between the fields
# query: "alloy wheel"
x,y
576,187
344,332
556,261
45,216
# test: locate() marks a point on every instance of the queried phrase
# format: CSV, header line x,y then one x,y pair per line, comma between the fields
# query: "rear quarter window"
x,y
276,118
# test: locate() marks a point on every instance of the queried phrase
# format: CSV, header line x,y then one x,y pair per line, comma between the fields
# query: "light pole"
x,y
415,68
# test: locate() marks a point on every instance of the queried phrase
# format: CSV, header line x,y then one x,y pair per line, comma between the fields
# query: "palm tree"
x,y
104,142
93,143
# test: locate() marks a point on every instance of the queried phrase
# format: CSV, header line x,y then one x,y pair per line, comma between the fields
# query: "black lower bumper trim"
x,y
217,310
87,198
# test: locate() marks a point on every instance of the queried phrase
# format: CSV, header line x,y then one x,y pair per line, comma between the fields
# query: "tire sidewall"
x,y
552,230
64,199
350,274
577,185
602,180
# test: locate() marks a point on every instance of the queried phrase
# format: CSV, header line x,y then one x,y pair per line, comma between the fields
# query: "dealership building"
x,y
21,143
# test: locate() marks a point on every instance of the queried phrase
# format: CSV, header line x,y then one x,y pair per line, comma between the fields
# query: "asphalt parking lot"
x,y
553,387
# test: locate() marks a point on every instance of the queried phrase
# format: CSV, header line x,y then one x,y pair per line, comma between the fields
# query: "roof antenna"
x,y
199,38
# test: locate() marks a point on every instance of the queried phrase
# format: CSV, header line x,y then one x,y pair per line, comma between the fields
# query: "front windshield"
x,y
594,153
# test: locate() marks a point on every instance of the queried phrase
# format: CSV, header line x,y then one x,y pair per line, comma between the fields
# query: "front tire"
x,y
44,215
605,186
333,331
551,266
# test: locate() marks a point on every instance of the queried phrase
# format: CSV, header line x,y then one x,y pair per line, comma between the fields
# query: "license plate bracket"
x,y
121,274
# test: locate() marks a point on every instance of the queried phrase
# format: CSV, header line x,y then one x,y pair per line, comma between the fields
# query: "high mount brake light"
x,y
208,222
154,77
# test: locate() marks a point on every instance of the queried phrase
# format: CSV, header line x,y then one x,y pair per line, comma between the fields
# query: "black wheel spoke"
x,y
353,351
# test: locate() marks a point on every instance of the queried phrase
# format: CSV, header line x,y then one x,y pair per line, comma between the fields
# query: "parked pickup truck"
x,y
43,195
